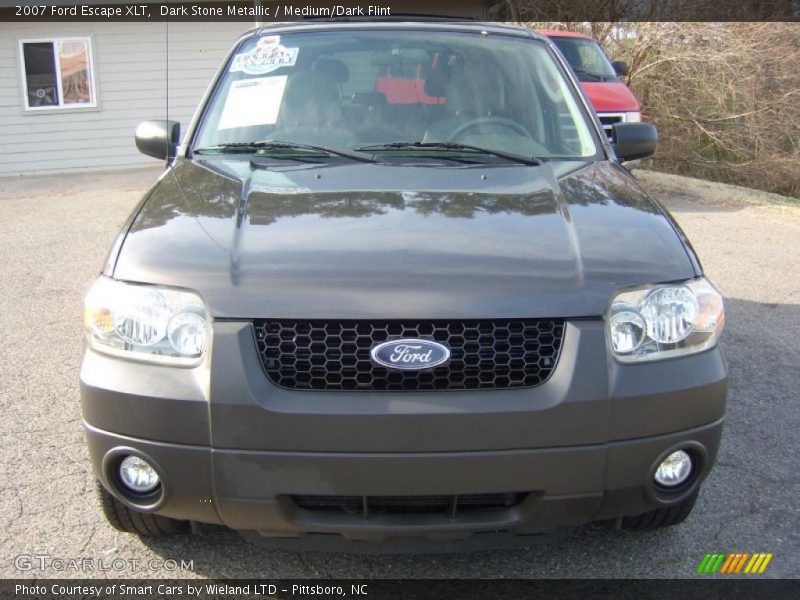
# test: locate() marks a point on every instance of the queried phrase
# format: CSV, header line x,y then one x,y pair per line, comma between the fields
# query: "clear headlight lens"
x,y
669,313
146,322
627,331
664,321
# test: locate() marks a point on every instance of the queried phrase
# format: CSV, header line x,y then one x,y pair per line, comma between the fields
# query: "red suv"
x,y
599,77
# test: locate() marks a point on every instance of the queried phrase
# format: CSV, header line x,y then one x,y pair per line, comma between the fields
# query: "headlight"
x,y
146,322
633,117
663,321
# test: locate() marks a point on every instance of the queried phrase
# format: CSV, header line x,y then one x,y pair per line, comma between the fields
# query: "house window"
x,y
57,73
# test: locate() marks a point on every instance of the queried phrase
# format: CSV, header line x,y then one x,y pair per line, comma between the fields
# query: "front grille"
x,y
608,120
334,355
408,505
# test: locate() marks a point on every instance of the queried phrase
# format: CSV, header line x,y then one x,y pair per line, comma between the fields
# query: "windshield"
x,y
425,92
586,58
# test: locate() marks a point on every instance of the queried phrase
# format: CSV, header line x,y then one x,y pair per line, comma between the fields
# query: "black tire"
x,y
122,518
660,517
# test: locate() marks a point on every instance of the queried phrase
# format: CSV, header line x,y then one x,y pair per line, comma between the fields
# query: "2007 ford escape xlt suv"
x,y
342,313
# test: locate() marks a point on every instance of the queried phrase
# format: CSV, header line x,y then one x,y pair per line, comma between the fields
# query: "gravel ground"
x,y
54,233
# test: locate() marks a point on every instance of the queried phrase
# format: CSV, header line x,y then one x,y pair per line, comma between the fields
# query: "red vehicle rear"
x,y
600,78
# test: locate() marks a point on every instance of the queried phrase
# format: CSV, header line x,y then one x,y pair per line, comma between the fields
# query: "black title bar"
x,y
478,10
393,589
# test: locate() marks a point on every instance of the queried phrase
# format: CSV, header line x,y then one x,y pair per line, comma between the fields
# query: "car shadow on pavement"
x,y
746,504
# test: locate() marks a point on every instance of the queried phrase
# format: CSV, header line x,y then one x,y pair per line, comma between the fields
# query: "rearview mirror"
x,y
158,139
621,67
635,140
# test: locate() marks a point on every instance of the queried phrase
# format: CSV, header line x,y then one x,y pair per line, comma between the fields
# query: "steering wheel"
x,y
501,122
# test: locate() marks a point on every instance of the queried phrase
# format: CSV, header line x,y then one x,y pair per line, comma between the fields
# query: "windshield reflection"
x,y
355,88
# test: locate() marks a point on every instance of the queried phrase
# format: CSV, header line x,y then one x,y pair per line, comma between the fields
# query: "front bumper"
x,y
232,448
250,490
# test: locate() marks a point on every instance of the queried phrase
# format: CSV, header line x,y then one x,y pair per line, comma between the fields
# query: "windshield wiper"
x,y
251,147
525,160
586,75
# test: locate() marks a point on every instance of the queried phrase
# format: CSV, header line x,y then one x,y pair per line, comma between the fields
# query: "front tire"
x,y
122,518
660,517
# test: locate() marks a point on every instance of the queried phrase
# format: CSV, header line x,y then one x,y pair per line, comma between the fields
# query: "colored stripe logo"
x,y
734,563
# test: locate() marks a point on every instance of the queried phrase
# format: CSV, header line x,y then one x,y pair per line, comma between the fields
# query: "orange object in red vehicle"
x,y
403,87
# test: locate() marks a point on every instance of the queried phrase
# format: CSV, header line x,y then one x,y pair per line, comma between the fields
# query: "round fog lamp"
x,y
138,475
675,469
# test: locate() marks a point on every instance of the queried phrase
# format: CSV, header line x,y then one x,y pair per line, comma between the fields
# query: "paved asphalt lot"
x,y
53,237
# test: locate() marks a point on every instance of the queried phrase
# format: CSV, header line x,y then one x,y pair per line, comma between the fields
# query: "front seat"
x,y
311,111
469,94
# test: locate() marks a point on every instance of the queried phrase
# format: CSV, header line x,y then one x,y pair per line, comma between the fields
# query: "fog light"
x,y
138,475
675,469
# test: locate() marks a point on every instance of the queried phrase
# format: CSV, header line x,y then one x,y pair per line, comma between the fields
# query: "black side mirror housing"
x,y
621,67
158,139
635,140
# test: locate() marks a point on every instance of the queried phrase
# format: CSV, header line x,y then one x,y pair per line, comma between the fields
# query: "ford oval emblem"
x,y
410,354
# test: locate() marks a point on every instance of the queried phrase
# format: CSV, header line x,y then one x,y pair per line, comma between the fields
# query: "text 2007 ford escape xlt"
x,y
429,314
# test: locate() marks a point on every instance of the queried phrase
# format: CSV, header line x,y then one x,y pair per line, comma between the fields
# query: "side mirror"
x,y
621,67
635,140
158,139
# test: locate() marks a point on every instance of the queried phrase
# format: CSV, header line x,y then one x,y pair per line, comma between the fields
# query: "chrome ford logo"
x,y
410,354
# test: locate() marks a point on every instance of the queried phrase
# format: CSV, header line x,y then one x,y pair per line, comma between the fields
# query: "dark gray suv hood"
x,y
374,241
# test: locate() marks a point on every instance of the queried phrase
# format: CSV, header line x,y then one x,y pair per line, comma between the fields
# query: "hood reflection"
x,y
356,240
217,192
213,192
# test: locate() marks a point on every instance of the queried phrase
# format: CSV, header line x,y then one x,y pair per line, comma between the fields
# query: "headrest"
x,y
436,81
310,98
476,90
336,69
319,85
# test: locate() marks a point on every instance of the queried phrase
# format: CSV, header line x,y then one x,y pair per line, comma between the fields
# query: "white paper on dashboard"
x,y
253,102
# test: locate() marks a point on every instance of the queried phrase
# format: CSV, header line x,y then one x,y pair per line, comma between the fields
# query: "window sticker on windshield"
x,y
253,102
267,56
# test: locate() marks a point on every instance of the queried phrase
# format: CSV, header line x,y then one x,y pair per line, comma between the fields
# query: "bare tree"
x,y
725,96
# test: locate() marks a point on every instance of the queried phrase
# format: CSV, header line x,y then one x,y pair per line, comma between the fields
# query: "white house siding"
x,y
130,64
